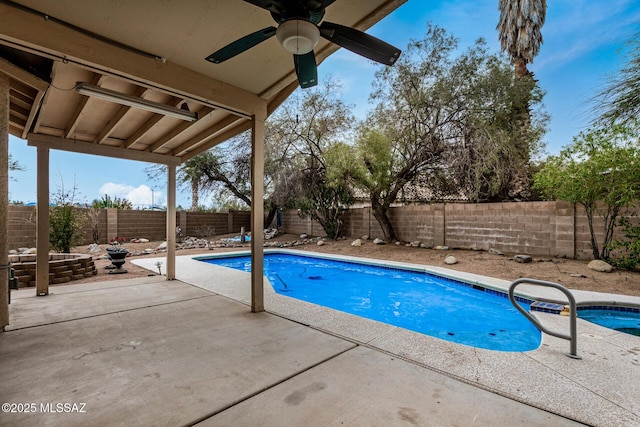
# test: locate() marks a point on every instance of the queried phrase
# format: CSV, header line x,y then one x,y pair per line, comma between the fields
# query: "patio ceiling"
x,y
152,50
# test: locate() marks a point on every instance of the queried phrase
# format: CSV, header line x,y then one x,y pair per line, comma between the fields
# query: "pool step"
x,y
547,307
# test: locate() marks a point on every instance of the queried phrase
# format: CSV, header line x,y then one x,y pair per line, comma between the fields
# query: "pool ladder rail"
x,y
573,334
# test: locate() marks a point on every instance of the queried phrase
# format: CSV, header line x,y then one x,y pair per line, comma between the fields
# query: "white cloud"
x,y
141,196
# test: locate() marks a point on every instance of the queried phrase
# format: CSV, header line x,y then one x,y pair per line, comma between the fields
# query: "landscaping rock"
x,y
13,252
601,266
365,237
303,236
378,241
415,244
493,251
398,243
320,243
441,248
162,246
450,260
522,259
94,248
582,276
356,242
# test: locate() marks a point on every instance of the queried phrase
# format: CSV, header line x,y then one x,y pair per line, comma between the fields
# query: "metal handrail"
x,y
573,336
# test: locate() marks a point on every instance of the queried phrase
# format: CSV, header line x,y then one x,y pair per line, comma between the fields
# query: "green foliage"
x,y
108,202
302,137
323,199
625,253
619,102
66,222
601,171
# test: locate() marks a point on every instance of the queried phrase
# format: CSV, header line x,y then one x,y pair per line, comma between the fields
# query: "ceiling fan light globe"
x,y
298,36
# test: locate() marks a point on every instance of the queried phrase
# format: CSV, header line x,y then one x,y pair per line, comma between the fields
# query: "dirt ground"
x,y
570,273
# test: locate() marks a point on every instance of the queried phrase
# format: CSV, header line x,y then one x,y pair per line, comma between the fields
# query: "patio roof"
x,y
153,52
130,80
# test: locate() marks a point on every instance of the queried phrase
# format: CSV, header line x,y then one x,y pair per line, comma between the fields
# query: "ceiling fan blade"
x,y
361,43
306,69
240,45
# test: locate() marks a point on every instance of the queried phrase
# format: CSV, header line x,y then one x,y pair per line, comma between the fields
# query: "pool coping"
x,y
587,390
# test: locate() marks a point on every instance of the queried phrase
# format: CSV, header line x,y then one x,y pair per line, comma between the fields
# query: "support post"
x,y
42,222
257,212
4,205
171,222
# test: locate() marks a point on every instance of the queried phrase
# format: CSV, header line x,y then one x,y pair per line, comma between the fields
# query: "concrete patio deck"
x,y
152,352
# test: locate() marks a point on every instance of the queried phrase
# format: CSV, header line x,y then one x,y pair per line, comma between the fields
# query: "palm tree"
x,y
519,31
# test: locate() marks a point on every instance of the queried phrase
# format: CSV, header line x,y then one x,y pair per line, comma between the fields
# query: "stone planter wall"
x,y
62,268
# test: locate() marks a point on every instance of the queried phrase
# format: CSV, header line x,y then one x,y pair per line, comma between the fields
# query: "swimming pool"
x,y
414,300
622,319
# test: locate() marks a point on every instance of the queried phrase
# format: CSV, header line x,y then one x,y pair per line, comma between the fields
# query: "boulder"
x,y
522,259
303,236
365,237
13,252
320,243
493,251
601,266
378,241
450,260
162,246
356,242
415,244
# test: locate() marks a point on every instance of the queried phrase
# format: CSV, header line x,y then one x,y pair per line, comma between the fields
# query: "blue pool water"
x,y
416,301
619,318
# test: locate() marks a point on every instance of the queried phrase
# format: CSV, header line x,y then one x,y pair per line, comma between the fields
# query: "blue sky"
x,y
584,42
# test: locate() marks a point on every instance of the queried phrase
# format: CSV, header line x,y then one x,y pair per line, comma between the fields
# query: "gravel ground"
x,y
570,273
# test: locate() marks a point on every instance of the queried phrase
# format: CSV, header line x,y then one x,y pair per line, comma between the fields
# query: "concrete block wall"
x,y
535,228
135,224
21,232
129,224
204,224
508,227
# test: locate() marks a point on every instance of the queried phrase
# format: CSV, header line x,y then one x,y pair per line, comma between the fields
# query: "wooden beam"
x,y
142,131
28,81
219,139
75,118
42,221
118,117
54,143
28,30
257,213
207,133
176,131
171,222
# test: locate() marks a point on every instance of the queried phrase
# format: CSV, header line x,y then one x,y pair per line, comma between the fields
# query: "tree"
x,y
65,221
108,202
620,100
519,31
437,120
300,136
601,165
191,174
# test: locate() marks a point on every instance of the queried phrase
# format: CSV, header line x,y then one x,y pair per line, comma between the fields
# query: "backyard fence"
x,y
130,224
535,228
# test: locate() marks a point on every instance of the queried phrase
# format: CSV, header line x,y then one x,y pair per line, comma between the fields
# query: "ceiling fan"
x,y
298,32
